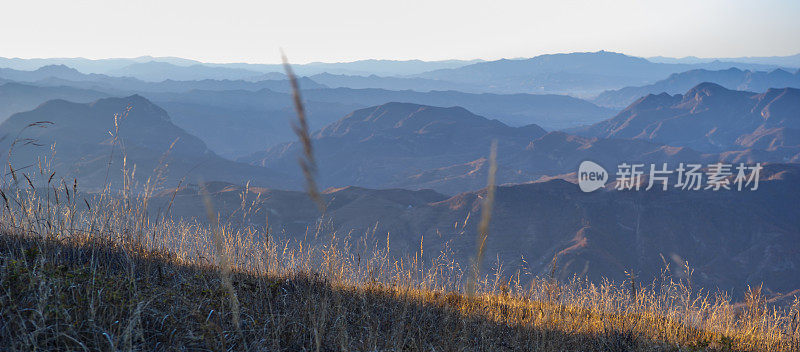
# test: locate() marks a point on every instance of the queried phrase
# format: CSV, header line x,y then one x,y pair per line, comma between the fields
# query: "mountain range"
x,y
404,145
577,74
394,140
417,146
711,118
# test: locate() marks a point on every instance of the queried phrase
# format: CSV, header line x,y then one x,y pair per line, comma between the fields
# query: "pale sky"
x,y
346,30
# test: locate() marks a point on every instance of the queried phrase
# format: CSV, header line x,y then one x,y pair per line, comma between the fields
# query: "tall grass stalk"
x,y
486,217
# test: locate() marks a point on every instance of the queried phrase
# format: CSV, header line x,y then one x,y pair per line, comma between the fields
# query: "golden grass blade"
x,y
307,162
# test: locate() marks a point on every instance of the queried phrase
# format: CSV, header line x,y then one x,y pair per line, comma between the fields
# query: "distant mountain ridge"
x,y
154,71
358,67
98,66
60,75
579,74
732,78
785,61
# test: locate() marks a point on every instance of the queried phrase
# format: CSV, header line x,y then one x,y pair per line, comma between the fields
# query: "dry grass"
x,y
98,274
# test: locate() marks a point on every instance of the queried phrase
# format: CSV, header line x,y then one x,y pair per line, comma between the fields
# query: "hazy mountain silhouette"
x,y
80,134
578,74
44,72
359,67
710,118
732,78
88,65
785,61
